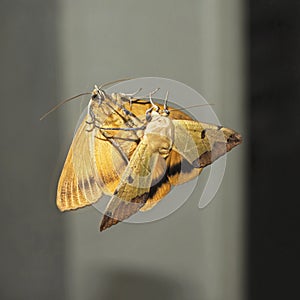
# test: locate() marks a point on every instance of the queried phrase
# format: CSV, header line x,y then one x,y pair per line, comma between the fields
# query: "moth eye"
x,y
130,179
231,138
203,134
109,213
94,96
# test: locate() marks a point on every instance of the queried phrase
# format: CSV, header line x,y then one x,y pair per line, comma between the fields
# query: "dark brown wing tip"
x,y
107,222
236,138
123,211
233,140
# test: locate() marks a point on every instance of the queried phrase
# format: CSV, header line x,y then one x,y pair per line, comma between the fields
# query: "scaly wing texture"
x,y
160,185
196,145
179,171
201,143
93,166
110,161
139,110
96,164
78,184
133,190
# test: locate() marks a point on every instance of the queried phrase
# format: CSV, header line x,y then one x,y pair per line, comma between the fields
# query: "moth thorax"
x,y
165,147
161,126
159,143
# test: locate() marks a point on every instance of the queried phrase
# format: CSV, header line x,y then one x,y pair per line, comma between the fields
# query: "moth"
x,y
135,150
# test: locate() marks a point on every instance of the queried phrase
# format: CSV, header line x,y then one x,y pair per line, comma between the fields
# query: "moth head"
x,y
98,95
232,138
165,112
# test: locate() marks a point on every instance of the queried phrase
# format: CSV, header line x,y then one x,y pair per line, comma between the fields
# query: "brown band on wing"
x,y
154,188
181,167
157,192
208,157
123,211
180,170
218,150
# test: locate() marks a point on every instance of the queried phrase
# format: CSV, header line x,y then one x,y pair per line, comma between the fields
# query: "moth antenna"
x,y
153,92
130,96
188,107
113,82
62,103
146,96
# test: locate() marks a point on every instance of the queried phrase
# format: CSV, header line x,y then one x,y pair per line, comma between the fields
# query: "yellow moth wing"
x,y
160,185
139,110
132,191
128,164
180,170
109,163
201,143
78,184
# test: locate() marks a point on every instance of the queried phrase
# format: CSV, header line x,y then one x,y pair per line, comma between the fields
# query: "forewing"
x,y
160,185
78,184
180,170
133,190
201,143
110,161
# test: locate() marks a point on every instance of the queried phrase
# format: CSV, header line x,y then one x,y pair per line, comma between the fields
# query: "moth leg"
x,y
117,138
153,107
115,144
141,99
130,95
91,129
92,122
148,114
145,96
125,111
93,118
125,97
129,113
120,128
136,137
165,111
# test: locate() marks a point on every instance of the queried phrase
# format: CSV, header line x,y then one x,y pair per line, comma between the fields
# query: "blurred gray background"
x,y
54,49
